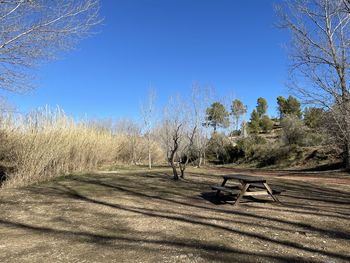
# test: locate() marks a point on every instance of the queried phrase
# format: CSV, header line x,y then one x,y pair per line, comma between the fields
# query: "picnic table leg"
x,y
241,194
271,193
223,184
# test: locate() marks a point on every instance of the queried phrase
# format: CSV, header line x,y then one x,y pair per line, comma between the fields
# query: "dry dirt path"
x,y
142,216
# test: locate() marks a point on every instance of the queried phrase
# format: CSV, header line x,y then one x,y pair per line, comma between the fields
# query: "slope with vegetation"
x,y
296,139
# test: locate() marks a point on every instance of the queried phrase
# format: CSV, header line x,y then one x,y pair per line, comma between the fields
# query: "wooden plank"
x,y
247,183
271,193
224,182
257,185
275,190
222,185
244,189
226,189
245,178
253,193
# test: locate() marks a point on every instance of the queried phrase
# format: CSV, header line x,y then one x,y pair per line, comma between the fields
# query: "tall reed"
x,y
47,143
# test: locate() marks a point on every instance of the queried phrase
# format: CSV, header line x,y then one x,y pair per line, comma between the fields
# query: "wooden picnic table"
x,y
248,186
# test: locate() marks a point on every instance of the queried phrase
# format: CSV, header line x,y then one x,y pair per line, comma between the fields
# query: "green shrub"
x,y
293,130
220,149
254,124
246,145
313,117
266,124
273,154
235,133
314,139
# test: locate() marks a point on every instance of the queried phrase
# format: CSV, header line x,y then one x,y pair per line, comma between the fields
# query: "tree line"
x,y
194,132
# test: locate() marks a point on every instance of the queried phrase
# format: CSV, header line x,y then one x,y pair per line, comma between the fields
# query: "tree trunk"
x,y
346,105
183,168
173,166
172,162
149,160
133,156
204,157
182,172
149,153
200,159
347,157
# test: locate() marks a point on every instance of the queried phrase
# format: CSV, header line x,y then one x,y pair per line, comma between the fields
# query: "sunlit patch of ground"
x,y
141,216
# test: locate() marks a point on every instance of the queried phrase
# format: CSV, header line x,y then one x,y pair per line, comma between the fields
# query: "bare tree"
x,y
6,106
173,131
320,54
208,96
162,131
33,31
176,139
199,108
132,131
178,131
238,109
102,125
185,153
147,112
191,147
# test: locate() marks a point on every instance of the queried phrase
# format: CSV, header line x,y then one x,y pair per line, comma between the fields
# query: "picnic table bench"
x,y
248,186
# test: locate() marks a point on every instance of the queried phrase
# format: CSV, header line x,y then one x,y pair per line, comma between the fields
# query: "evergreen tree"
x,y
254,124
266,124
294,107
217,116
289,106
313,117
282,106
261,108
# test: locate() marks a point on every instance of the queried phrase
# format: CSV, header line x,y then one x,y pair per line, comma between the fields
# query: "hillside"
x,y
271,154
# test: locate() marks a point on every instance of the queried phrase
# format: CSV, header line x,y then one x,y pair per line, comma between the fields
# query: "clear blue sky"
x,y
229,44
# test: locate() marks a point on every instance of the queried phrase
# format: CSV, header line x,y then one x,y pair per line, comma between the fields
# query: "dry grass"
x,y
48,143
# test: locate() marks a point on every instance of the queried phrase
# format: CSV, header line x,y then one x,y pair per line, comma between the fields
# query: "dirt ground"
x,y
133,215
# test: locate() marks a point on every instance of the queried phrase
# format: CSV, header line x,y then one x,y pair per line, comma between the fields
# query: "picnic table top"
x,y
245,178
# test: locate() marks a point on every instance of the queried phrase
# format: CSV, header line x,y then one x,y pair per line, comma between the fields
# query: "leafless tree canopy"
x,y
319,48
320,53
33,31
148,112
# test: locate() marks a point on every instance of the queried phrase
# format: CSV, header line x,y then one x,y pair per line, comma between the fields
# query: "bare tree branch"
x,y
34,31
319,52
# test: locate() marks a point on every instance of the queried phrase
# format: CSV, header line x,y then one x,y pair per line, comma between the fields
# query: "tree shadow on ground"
x,y
209,251
223,199
70,192
339,166
154,196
